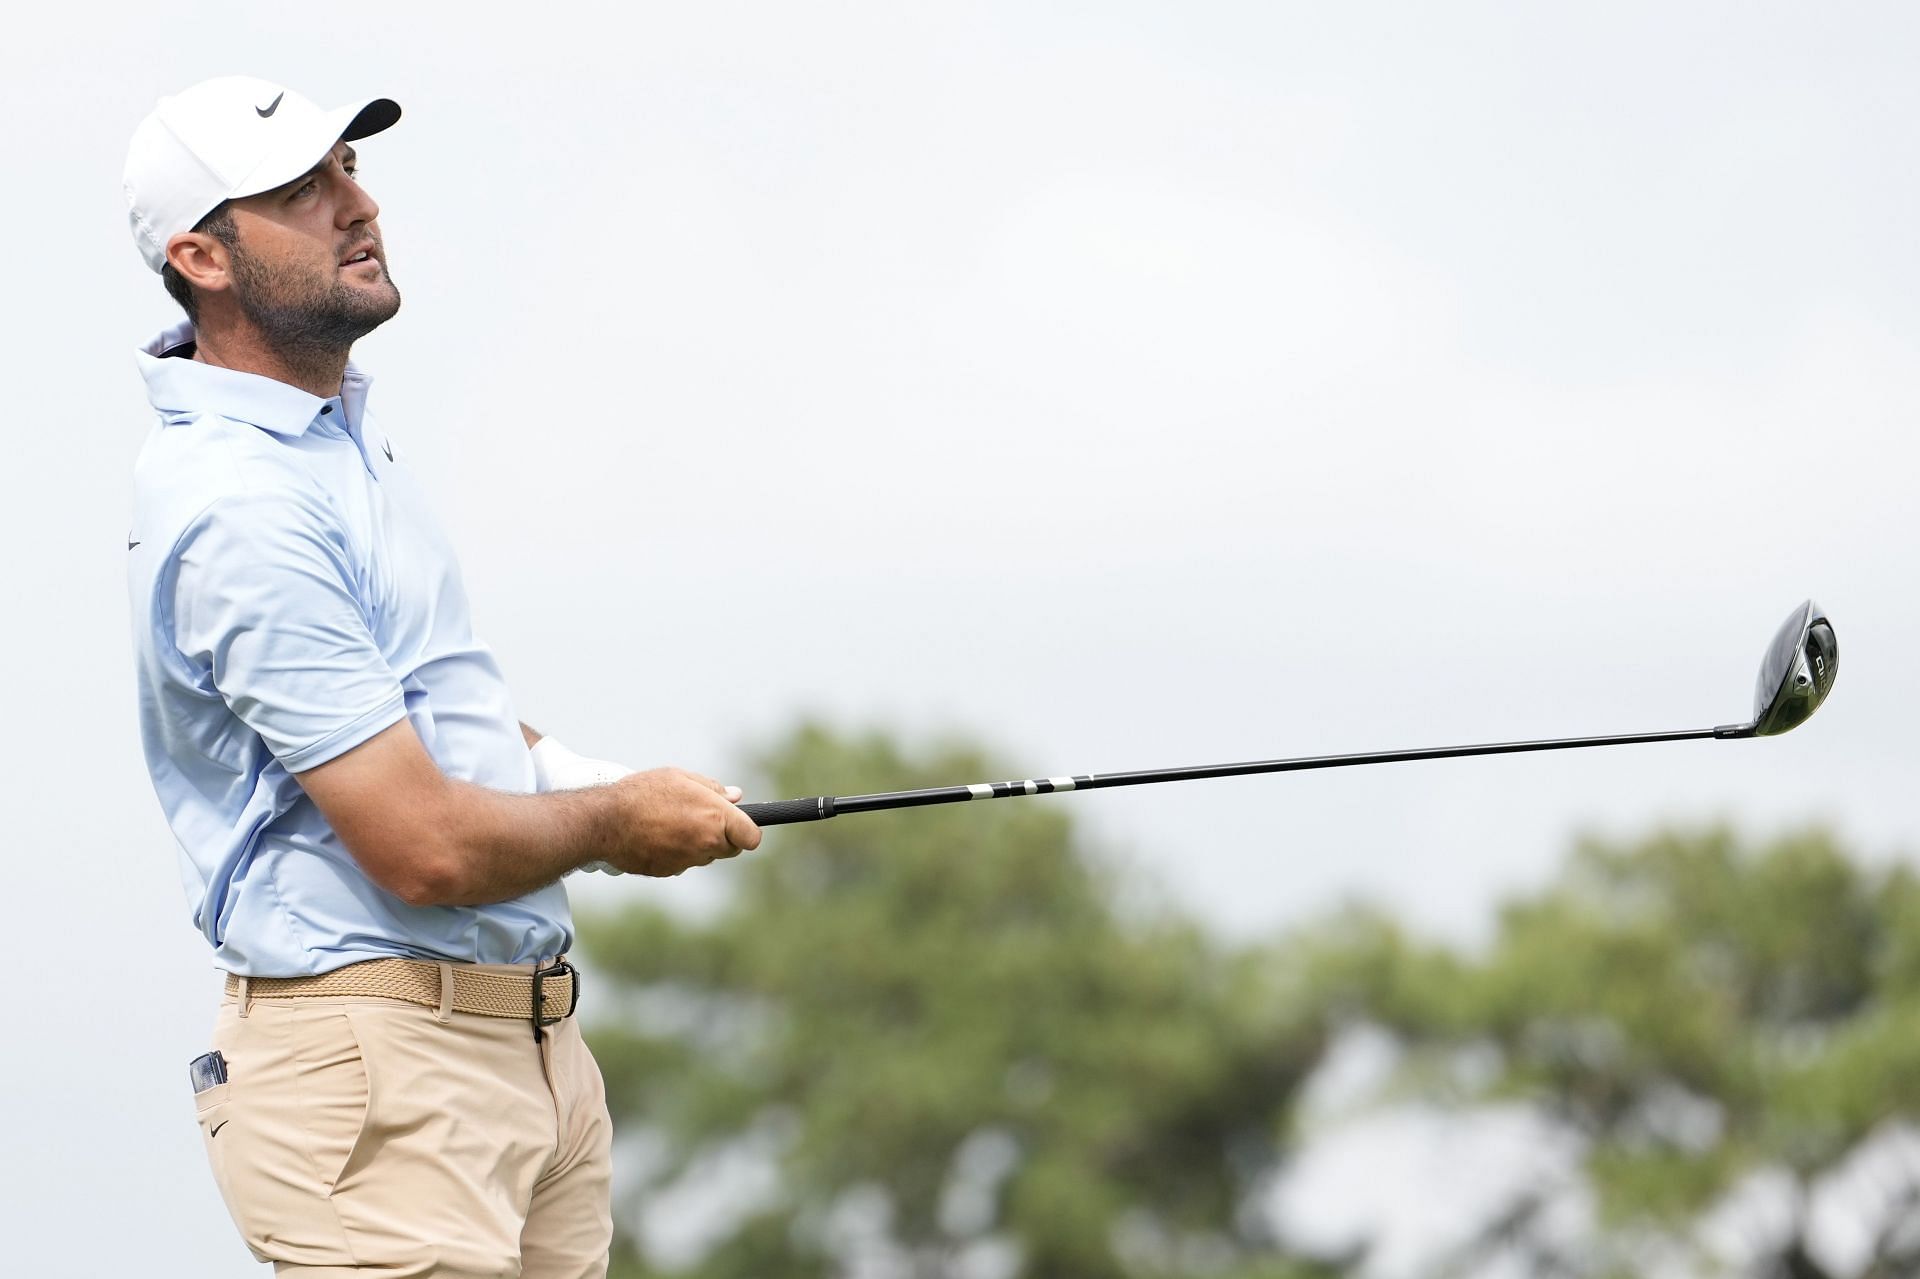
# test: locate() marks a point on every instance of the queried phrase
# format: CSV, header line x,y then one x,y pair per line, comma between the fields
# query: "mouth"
x,y
363,256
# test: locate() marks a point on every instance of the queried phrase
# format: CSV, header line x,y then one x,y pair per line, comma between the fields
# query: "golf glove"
x,y
557,768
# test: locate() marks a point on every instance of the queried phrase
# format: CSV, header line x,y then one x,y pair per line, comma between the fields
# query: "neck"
x,y
241,348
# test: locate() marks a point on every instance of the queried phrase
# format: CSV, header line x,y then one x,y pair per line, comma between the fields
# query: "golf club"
x,y
1796,675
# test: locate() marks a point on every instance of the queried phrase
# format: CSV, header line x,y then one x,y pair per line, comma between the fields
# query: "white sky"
x,y
1129,385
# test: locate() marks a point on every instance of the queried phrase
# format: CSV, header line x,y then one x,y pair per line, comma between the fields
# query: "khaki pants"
x,y
361,1135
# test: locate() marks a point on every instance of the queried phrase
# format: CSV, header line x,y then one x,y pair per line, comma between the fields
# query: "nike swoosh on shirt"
x,y
132,544
386,446
272,106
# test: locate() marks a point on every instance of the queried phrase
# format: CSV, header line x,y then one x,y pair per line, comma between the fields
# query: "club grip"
x,y
782,812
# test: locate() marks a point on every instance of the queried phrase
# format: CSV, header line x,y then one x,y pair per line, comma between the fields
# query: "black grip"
x,y
781,812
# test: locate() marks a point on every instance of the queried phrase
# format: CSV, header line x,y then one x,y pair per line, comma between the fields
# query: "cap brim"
x,y
349,123
375,116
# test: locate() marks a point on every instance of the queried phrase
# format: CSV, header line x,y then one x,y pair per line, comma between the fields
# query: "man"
x,y
370,840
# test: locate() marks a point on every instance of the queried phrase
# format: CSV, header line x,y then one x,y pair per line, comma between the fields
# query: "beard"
x,y
304,319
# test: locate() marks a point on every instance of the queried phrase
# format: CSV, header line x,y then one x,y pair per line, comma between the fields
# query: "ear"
x,y
201,260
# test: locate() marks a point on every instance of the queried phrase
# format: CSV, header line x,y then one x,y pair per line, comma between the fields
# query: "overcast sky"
x,y
1124,385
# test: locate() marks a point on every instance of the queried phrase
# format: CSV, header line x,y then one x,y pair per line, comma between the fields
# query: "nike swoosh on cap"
x,y
272,106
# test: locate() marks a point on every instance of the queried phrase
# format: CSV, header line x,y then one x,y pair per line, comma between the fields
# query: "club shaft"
x,y
822,806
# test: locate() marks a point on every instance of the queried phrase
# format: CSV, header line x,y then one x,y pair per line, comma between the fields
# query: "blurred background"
x,y
844,397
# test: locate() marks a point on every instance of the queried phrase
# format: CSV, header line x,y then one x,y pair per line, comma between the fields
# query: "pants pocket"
x,y
213,1113
279,1140
334,1091
210,1112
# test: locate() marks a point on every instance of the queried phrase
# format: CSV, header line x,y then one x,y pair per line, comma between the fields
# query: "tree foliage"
x,y
949,1014
1699,1010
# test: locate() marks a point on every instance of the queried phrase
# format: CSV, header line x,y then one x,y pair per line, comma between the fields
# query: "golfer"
x,y
370,840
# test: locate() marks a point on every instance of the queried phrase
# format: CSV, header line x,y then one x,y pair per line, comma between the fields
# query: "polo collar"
x,y
180,386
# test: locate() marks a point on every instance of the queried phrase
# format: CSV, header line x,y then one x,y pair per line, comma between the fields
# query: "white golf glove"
x,y
557,768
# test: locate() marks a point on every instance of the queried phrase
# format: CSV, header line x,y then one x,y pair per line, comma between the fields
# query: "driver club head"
x,y
1797,673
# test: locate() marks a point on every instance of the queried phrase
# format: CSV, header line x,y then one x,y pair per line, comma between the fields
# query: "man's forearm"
x,y
507,845
433,841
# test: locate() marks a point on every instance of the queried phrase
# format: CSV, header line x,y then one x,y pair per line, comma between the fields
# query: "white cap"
x,y
227,138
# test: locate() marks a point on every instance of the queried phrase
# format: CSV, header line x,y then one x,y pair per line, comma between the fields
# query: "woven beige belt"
x,y
489,994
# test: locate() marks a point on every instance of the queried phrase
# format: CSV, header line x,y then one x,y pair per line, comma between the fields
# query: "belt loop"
x,y
245,997
446,992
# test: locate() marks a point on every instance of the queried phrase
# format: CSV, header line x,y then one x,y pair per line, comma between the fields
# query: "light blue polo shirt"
x,y
292,596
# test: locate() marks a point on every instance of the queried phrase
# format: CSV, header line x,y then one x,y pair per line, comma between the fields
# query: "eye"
x,y
305,188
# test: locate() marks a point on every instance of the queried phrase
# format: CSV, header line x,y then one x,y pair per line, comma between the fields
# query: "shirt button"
x,y
326,408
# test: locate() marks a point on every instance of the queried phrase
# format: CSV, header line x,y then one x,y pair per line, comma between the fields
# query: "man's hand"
x,y
557,767
673,819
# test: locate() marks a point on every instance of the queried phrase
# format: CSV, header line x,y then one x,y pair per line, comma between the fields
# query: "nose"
x,y
355,204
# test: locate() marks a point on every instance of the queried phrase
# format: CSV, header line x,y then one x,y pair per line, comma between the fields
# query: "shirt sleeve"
x,y
265,600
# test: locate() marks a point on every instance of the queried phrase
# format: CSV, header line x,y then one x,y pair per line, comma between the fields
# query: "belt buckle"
x,y
560,968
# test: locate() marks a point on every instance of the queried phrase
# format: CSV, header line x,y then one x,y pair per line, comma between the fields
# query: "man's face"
x,y
308,266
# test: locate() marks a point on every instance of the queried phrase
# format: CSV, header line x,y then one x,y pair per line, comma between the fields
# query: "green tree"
x,y
948,1023
1697,1008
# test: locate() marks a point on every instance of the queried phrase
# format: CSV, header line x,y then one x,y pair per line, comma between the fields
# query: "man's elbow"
x,y
404,822
420,872
429,885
